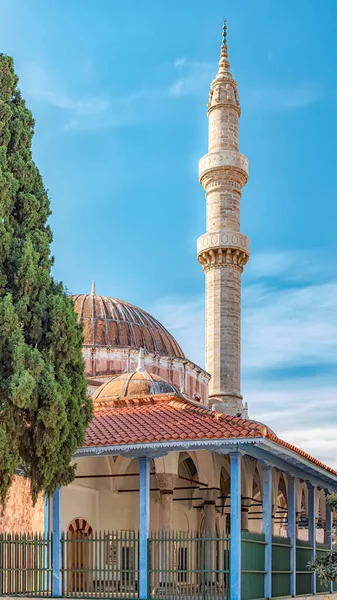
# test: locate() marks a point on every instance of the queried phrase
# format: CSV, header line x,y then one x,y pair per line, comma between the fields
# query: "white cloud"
x,y
94,111
195,75
41,86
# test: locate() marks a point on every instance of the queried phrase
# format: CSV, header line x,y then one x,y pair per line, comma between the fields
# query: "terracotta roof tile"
x,y
167,417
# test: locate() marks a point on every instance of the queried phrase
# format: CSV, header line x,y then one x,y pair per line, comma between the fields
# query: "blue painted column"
x,y
328,535
267,525
312,528
235,528
144,525
56,547
46,530
292,527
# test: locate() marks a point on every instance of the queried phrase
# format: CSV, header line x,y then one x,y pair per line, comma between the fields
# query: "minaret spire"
x,y
223,250
224,33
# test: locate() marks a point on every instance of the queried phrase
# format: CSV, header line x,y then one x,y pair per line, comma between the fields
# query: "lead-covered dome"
x,y
136,384
111,323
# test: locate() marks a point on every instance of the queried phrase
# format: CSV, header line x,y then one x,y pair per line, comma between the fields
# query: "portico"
x,y
250,492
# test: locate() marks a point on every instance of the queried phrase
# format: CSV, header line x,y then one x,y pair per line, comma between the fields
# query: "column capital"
x,y
166,481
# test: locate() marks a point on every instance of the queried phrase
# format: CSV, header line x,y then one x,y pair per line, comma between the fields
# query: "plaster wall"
x,y
102,363
20,514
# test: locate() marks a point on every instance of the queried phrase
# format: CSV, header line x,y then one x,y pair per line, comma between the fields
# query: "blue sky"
x,y
119,94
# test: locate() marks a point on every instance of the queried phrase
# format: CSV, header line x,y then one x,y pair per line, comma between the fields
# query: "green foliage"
x,y
325,567
332,501
44,408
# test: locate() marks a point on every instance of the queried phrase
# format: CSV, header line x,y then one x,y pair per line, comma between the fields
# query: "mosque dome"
x,y
111,323
135,384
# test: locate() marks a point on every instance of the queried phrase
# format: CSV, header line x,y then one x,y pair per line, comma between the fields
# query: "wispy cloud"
x,y
289,327
41,86
193,76
97,111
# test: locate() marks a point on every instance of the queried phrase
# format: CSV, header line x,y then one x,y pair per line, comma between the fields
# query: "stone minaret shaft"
x,y
223,250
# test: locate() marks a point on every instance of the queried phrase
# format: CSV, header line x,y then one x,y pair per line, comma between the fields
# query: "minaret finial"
x,y
141,361
93,288
224,32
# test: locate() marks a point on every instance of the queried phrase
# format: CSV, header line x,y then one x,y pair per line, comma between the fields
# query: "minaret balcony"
x,y
215,240
224,159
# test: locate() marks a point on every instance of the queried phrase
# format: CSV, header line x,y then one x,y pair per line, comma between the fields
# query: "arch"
x,y
79,558
80,524
281,507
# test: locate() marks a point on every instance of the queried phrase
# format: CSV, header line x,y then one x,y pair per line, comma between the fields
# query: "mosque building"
x,y
171,451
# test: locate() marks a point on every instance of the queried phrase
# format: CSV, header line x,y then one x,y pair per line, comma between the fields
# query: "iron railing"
x,y
188,566
102,564
25,564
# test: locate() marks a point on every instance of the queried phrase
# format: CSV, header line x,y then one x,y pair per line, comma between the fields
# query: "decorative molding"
x,y
223,239
225,159
235,258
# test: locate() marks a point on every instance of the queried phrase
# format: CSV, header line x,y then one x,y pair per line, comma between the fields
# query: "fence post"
x,y
56,552
267,526
292,530
312,528
144,525
328,528
235,527
46,530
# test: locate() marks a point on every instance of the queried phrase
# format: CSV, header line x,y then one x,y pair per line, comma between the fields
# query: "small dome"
x,y
138,383
111,323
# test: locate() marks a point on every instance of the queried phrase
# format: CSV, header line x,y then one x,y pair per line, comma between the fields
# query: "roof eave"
x,y
260,447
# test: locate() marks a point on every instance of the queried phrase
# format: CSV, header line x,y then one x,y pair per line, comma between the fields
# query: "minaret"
x,y
223,250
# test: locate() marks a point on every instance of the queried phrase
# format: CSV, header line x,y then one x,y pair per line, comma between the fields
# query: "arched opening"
x,y
255,511
281,509
79,557
224,501
303,533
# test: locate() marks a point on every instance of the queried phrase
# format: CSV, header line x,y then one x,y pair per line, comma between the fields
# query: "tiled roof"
x,y
112,323
166,417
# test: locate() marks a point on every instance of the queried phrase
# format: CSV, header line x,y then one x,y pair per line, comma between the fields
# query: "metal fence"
x,y
188,566
102,564
25,564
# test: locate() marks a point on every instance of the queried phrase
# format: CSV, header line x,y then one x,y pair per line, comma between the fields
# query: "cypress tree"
x,y
44,408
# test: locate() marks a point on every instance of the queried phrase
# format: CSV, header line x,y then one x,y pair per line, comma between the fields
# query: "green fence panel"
x,y
101,564
252,565
281,548
184,565
25,564
303,576
321,549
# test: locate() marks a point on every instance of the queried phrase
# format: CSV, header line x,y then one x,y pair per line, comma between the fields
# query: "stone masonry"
x,y
223,250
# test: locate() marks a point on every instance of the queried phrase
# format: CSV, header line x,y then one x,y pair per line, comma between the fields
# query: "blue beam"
x,y
312,528
267,526
292,526
56,530
328,529
235,527
144,525
283,465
